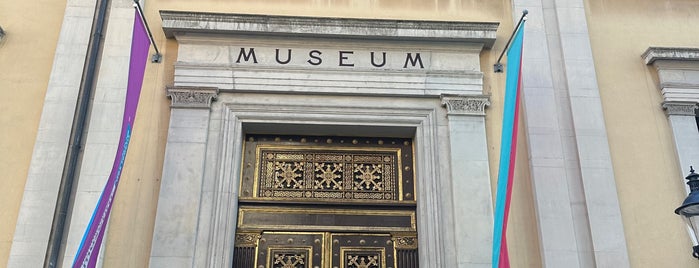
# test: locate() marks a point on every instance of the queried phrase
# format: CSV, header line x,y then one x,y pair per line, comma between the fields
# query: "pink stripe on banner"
x,y
92,239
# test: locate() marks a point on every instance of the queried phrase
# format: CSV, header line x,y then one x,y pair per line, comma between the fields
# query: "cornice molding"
x,y
653,54
192,97
177,23
465,104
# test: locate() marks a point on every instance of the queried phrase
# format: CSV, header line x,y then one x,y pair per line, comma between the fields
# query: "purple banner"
x,y
92,239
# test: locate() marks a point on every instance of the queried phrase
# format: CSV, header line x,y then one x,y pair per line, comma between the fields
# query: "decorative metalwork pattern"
x,y
336,169
328,175
290,250
246,239
289,260
363,260
406,241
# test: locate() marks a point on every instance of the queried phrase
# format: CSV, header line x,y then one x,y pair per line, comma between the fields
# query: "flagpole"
x,y
157,57
498,66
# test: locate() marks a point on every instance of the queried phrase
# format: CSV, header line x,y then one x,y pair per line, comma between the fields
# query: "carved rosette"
x,y
680,108
192,97
466,104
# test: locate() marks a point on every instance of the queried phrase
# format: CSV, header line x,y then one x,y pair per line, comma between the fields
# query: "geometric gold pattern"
x,y
308,173
370,171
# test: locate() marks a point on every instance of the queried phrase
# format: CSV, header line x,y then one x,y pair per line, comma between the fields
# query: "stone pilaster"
x,y
175,231
470,179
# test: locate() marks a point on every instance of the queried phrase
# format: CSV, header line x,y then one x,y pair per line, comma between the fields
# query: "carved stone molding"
x,y
670,53
680,108
192,97
185,22
465,105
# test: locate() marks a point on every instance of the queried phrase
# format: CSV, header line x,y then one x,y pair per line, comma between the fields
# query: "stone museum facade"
x,y
350,133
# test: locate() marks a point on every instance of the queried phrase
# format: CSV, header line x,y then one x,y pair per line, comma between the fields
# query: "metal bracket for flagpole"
x,y
157,57
498,66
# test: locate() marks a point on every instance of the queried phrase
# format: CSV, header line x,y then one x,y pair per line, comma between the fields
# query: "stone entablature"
x,y
678,72
305,55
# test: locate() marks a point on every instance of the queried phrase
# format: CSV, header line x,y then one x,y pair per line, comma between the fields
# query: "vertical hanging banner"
x,y
89,248
508,149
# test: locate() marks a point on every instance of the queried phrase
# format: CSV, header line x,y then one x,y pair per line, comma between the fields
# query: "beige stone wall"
x,y
26,56
645,164
130,230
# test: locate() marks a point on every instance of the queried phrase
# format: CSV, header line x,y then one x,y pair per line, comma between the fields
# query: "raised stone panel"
x,y
324,81
401,73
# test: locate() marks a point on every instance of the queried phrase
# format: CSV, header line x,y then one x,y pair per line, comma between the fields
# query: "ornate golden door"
x,y
335,202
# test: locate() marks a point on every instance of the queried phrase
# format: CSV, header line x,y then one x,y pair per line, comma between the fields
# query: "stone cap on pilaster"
x,y
680,108
192,97
177,23
465,104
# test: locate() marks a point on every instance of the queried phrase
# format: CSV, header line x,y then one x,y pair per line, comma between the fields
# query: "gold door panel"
x,y
362,251
290,250
326,202
331,250
326,219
